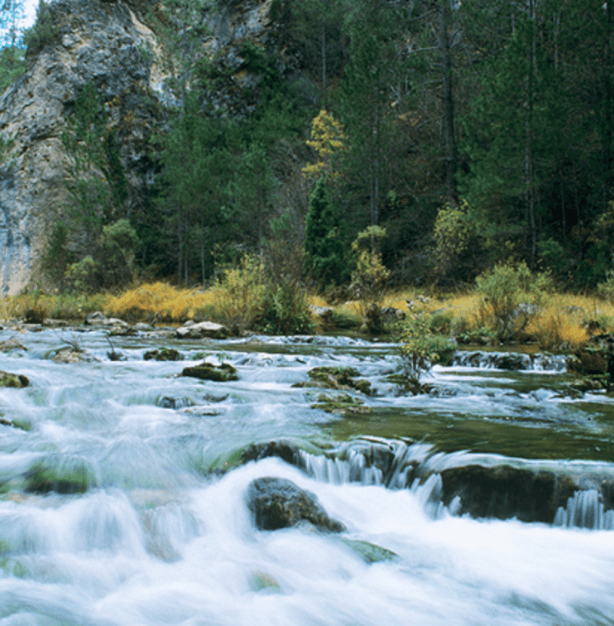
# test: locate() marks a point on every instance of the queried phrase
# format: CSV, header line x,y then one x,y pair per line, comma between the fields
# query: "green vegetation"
x,y
362,147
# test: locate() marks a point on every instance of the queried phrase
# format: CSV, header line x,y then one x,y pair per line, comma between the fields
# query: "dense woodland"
x,y
473,133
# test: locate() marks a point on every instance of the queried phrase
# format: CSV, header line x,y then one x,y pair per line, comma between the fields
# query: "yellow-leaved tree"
x,y
327,139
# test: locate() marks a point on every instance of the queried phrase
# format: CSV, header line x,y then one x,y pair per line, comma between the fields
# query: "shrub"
x,y
239,294
420,346
43,32
284,310
370,277
84,276
511,296
606,289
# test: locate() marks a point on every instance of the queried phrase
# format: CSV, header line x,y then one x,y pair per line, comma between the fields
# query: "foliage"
x,y
57,256
84,276
12,65
6,146
370,277
511,295
606,289
284,310
327,139
240,292
324,260
118,244
44,31
456,242
421,347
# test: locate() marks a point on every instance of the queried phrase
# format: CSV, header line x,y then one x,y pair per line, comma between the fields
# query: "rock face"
x,y
94,41
112,44
279,503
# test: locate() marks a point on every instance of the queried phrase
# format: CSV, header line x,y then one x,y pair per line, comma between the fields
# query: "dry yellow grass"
x,y
160,299
561,320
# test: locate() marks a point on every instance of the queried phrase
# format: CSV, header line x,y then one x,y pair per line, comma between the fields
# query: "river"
x,y
123,489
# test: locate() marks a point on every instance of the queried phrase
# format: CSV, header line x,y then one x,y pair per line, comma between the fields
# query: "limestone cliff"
x,y
113,44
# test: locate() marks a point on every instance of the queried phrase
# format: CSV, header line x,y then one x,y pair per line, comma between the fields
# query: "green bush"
x,y
370,277
504,289
84,276
606,289
420,346
284,310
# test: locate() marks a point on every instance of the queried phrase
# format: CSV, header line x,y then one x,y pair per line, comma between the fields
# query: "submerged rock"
x,y
369,552
207,371
174,402
279,503
343,404
59,474
17,381
261,581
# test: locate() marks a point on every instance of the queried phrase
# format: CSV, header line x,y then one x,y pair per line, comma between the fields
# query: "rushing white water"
x,y
158,533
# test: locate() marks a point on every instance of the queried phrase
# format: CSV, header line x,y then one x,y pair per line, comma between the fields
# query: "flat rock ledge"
x,y
279,503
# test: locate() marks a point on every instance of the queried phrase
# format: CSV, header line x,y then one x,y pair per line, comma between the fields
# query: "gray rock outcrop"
x,y
112,44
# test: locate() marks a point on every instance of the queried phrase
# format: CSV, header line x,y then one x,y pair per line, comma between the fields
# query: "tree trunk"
x,y
448,105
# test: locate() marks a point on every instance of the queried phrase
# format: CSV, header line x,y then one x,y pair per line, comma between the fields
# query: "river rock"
x,y
11,344
504,492
163,354
323,314
99,319
338,378
207,371
285,451
60,474
392,314
202,330
279,503
17,381
69,354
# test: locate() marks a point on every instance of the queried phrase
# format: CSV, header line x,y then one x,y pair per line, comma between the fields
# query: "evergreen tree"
x,y
324,259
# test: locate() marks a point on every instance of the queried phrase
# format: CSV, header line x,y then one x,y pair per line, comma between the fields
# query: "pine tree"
x,y
324,260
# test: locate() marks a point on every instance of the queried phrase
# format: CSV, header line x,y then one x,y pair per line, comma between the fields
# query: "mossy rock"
x,y
339,378
505,492
163,354
279,503
17,381
341,405
60,475
207,371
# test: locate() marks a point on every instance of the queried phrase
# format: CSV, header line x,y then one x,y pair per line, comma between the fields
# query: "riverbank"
x,y
562,322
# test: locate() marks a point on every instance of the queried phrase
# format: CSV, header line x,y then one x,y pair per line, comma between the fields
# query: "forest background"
x,y
464,135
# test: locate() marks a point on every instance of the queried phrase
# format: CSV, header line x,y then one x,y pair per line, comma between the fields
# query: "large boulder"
x,y
504,492
202,330
279,503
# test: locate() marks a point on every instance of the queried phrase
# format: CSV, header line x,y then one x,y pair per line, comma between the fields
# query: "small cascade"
x,y
368,462
511,361
585,510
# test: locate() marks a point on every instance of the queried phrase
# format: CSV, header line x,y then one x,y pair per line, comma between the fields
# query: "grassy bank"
x,y
561,321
